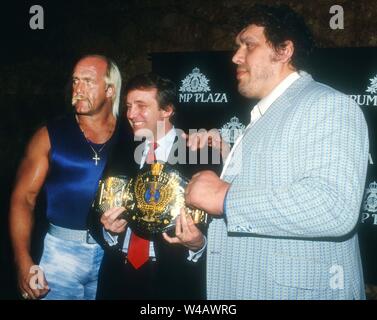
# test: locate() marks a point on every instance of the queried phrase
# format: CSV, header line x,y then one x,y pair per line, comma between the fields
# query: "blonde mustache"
x,y
80,97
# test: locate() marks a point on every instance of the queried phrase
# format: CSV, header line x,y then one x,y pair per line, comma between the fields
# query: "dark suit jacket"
x,y
174,276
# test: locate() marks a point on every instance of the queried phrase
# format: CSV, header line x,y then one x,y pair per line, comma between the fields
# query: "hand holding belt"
x,y
153,199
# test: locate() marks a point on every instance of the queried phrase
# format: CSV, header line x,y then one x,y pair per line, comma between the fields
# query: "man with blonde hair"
x,y
66,157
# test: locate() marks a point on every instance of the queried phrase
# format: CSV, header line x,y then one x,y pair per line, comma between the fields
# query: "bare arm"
x,y
30,178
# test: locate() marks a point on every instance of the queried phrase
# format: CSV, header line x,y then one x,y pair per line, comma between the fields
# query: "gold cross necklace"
x,y
96,157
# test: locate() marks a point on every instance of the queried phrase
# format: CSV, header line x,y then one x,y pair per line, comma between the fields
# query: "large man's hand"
x,y
207,191
31,281
186,233
111,221
212,138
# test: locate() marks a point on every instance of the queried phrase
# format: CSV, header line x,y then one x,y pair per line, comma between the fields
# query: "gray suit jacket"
x,y
297,180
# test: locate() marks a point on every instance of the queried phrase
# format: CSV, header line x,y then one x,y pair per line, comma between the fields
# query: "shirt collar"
x,y
267,101
165,142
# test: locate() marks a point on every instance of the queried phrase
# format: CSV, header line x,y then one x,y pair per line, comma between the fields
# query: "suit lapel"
x,y
286,99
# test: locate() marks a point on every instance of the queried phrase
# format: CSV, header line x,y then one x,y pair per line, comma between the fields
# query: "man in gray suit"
x,y
287,202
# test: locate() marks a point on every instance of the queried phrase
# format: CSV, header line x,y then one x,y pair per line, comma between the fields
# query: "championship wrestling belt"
x,y
158,191
153,199
114,192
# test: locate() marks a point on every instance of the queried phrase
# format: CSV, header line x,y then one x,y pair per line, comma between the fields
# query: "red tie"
x,y
138,249
151,156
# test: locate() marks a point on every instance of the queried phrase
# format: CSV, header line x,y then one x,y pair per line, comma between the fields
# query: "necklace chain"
x,y
94,150
96,157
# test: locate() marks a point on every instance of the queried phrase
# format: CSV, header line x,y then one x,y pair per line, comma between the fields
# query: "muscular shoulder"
x,y
39,144
33,167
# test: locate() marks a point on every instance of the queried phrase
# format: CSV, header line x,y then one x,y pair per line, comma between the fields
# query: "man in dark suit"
x,y
174,266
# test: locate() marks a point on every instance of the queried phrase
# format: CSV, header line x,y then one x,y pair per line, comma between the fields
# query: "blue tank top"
x,y
73,176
